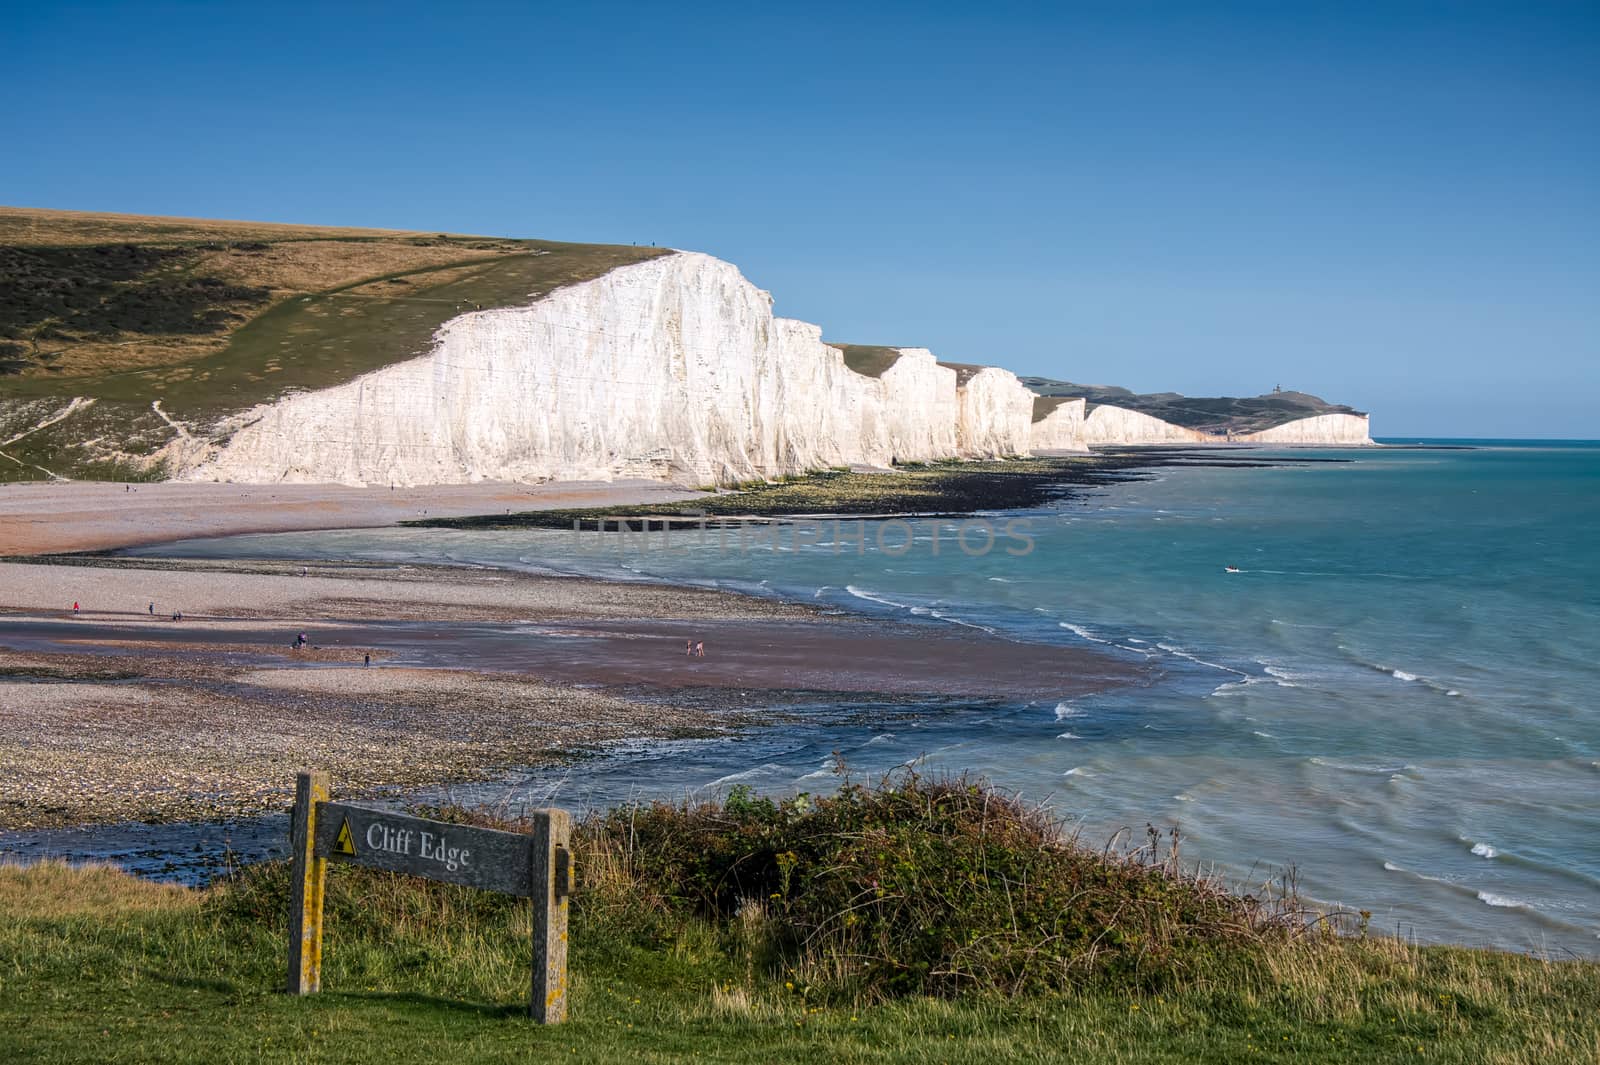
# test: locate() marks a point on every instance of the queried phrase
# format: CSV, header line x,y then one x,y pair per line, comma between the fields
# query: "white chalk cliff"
x,y
1322,430
1106,425
995,415
674,368
1061,429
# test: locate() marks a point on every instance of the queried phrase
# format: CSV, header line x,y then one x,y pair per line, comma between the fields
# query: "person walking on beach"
x,y
366,660
74,607
152,610
688,648
700,649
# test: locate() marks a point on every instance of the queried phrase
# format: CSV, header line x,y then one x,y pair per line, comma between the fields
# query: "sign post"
x,y
309,874
550,879
537,865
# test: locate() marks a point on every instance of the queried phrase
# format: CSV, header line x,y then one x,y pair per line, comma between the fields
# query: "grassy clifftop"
x,y
918,922
868,360
208,317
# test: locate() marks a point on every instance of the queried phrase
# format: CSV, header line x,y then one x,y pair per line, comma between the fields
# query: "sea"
x,y
1393,705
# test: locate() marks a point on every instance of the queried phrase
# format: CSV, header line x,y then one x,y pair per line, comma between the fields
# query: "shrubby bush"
x,y
909,887
918,886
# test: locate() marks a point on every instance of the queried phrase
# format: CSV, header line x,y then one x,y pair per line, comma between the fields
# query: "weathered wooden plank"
x,y
550,872
308,878
538,865
456,854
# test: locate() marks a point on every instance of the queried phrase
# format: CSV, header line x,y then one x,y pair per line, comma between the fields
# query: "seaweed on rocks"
x,y
944,489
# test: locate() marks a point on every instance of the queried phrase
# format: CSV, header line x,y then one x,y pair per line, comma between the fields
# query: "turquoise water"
x,y
1396,696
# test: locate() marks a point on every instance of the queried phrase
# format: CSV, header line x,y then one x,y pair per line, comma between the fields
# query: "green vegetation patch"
x,y
675,959
935,488
1043,405
920,887
868,360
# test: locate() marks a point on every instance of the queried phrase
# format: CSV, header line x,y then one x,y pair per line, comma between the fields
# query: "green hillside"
x,y
206,318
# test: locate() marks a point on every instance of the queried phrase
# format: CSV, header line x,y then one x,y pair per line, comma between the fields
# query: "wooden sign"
x,y
537,865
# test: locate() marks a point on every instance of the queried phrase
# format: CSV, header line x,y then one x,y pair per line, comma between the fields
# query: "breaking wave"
x,y
1505,901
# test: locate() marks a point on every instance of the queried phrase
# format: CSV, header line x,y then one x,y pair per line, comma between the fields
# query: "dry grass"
x,y
91,357
316,265
51,889
43,227
1315,978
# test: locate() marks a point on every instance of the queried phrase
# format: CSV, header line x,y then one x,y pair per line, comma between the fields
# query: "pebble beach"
x,y
119,713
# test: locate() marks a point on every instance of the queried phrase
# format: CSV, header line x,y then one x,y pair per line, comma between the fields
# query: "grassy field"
x,y
96,966
207,318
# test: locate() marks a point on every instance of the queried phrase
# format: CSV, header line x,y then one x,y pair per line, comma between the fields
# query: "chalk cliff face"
x,y
1110,426
672,368
995,418
1061,429
920,406
1324,430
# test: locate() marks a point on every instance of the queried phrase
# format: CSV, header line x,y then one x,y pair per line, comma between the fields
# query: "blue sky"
x,y
1392,205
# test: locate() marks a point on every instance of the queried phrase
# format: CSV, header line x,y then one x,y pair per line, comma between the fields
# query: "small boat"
x,y
1231,569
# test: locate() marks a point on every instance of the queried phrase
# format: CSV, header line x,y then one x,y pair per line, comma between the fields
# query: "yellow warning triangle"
x,y
344,843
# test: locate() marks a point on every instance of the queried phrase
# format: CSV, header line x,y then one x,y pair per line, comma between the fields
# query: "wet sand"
x,y
818,655
223,592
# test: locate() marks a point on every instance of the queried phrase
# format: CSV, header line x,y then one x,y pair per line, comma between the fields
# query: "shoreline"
x,y
115,714
775,760
54,519
571,660
919,490
95,696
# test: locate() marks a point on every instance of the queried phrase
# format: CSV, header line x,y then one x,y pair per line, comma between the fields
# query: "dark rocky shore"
x,y
949,489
